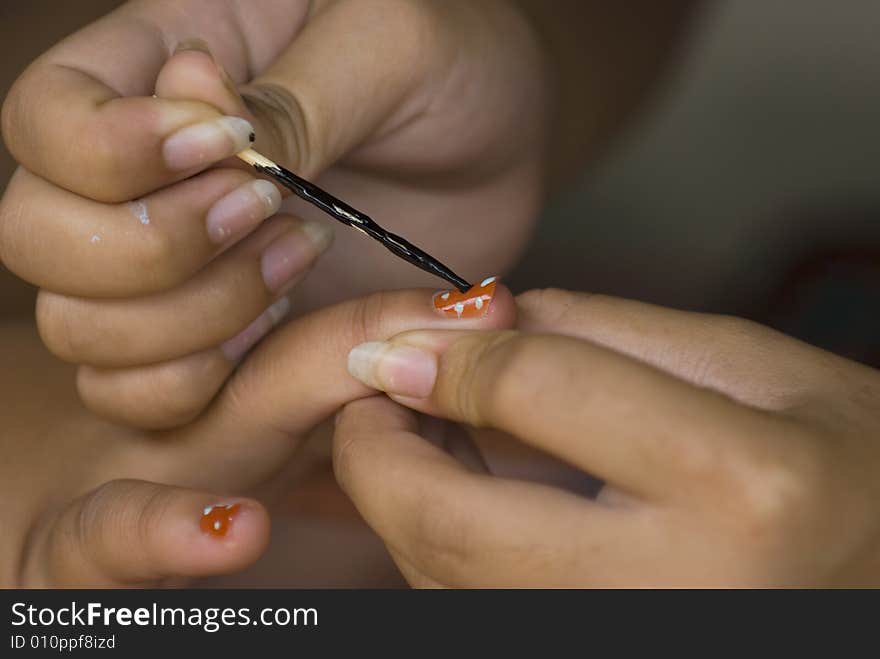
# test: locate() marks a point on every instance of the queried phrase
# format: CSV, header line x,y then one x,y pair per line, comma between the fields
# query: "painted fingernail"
x,y
291,254
205,143
241,210
238,346
217,519
395,369
472,304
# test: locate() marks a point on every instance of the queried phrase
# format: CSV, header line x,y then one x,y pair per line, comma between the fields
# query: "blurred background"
x,y
750,184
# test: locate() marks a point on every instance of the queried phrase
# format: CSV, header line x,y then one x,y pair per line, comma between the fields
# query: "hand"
x,y
731,455
157,269
90,503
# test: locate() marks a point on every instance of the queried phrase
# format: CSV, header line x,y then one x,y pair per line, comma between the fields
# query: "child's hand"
x,y
731,455
88,500
157,273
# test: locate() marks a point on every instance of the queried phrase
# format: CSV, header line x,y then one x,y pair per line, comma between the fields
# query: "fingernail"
x,y
395,369
194,43
291,254
239,345
217,519
472,304
205,143
241,210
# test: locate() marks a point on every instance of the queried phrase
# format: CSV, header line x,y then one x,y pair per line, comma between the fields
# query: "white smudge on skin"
x,y
139,208
95,239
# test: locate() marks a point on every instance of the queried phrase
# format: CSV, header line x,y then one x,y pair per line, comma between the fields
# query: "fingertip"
x,y
192,73
212,536
502,310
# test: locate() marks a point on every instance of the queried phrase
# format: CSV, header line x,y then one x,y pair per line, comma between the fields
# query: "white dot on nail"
x,y
487,281
478,303
207,510
459,308
217,525
445,296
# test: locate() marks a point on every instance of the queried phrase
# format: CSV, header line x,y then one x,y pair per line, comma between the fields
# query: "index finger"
x,y
466,529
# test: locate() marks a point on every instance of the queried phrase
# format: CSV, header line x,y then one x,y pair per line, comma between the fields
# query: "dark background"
x,y
748,185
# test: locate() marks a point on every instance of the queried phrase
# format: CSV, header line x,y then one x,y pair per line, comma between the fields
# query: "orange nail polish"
x,y
216,520
472,304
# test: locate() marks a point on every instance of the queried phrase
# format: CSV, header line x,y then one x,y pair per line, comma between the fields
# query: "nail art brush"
x,y
352,217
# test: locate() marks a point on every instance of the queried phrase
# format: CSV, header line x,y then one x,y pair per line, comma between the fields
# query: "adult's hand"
x,y
731,454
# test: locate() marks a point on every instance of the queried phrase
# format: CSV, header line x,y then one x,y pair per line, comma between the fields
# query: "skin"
x,y
730,455
143,312
455,117
145,298
92,507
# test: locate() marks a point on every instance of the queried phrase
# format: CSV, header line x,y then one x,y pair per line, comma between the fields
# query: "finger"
x,y
146,246
128,533
303,102
744,360
173,393
413,576
465,529
212,307
297,377
83,115
193,73
611,416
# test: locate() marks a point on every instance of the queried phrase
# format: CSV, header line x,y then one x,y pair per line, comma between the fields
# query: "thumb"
x,y
128,533
355,71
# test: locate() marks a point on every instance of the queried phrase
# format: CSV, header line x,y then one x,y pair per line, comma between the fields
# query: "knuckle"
x,y
368,317
780,494
120,509
11,115
490,373
60,333
177,396
158,400
11,210
345,452
98,518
